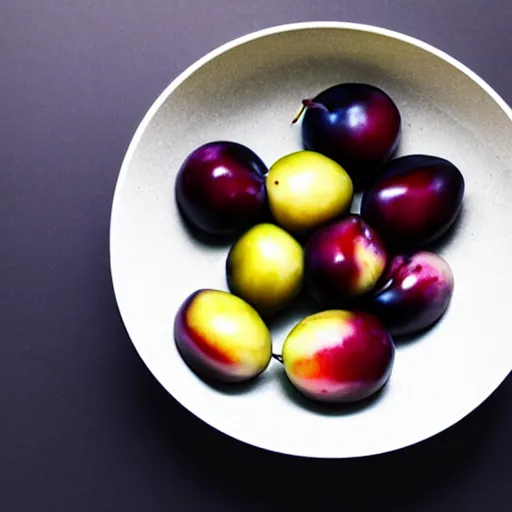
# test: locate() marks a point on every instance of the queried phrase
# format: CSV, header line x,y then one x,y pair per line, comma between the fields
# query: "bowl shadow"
x,y
198,236
237,388
417,336
303,305
221,241
328,409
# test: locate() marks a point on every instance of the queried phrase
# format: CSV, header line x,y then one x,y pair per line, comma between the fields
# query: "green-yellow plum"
x,y
306,189
221,337
265,267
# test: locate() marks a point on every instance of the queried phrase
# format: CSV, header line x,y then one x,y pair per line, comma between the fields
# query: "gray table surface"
x,y
83,425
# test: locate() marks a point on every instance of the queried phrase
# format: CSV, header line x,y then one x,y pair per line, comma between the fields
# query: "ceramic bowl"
x,y
248,91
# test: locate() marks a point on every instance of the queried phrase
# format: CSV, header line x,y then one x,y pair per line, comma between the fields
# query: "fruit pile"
x,y
294,229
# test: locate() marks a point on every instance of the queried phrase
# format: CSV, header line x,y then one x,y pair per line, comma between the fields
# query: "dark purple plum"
x,y
414,201
416,291
343,262
355,124
220,188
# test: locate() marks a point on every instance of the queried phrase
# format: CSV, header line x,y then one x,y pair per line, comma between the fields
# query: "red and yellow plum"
x,y
339,356
416,291
343,261
220,188
221,337
414,201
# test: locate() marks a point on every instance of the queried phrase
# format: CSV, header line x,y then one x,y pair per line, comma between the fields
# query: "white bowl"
x,y
248,91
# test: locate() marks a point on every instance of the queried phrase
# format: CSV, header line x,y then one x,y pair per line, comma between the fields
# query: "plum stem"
x,y
278,357
307,103
299,113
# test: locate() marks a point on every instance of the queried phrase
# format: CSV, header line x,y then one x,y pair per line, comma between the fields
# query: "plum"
x,y
356,124
221,337
305,190
338,356
220,188
265,267
416,290
343,261
415,199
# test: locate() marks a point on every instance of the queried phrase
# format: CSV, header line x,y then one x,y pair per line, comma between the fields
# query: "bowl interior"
x,y
250,93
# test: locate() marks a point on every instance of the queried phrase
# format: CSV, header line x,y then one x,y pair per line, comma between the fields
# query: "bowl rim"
x,y
210,56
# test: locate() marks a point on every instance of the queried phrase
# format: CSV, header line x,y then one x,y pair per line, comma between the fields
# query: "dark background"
x,y
83,425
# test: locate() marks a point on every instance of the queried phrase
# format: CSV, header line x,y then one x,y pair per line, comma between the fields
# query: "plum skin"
x,y
343,262
339,356
265,267
416,291
305,190
414,201
206,322
359,127
220,188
